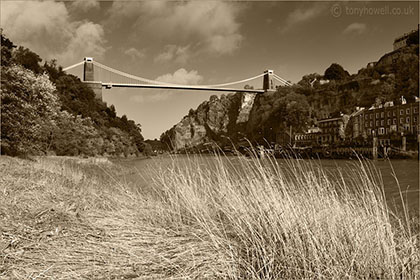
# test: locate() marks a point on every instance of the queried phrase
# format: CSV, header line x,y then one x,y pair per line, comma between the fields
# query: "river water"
x,y
405,171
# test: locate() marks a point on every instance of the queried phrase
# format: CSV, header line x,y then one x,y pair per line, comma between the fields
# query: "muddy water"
x,y
396,175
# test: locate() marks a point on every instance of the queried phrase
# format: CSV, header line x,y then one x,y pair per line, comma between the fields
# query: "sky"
x,y
204,42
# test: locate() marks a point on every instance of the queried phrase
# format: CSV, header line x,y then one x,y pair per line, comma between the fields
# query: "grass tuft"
x,y
199,217
291,220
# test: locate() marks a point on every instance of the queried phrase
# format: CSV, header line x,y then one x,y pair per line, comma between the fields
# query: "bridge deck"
x,y
111,85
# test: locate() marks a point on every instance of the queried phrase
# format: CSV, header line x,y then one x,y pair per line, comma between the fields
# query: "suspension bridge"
x,y
98,76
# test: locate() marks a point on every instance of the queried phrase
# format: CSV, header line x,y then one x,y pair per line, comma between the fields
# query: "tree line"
x,y
45,111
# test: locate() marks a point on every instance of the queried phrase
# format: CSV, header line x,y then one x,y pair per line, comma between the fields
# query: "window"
x,y
386,130
415,109
377,123
381,131
382,122
401,112
377,115
401,120
407,120
407,111
366,116
394,121
415,119
388,121
389,113
371,116
366,124
394,113
371,123
382,114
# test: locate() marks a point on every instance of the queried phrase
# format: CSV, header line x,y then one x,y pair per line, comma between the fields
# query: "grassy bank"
x,y
201,218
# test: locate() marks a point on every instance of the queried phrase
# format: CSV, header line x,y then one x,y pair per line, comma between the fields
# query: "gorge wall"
x,y
267,117
215,120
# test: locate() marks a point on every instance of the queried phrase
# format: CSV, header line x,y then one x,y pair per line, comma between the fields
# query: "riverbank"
x,y
196,218
70,218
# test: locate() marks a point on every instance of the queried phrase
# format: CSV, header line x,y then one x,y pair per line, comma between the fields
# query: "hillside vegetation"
x,y
315,97
46,111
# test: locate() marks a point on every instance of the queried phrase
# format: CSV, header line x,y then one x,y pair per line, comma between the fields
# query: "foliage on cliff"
x,y
46,111
315,97
275,112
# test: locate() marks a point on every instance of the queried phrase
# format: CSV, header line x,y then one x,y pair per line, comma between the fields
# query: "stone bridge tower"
x,y
89,78
268,81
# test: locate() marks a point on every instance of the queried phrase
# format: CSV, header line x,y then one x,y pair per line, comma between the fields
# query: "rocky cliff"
x,y
263,118
214,120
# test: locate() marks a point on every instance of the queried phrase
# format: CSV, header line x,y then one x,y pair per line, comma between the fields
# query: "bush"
x,y
29,107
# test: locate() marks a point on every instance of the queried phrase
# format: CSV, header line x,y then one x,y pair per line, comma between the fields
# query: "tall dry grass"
x,y
290,220
69,218
199,217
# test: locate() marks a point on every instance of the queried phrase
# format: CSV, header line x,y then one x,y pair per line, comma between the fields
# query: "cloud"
x,y
302,15
355,28
87,40
173,53
84,5
46,28
182,77
210,26
134,53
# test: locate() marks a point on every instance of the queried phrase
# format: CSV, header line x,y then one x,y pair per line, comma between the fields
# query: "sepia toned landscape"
x,y
209,140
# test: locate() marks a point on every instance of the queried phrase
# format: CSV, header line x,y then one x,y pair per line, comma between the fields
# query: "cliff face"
x,y
263,118
213,120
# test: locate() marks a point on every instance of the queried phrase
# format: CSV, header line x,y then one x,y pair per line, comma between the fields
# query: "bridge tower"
x,y
89,78
268,81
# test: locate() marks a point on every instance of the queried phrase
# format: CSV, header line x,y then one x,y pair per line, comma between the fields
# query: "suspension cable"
x,y
160,82
137,78
129,75
283,83
237,82
282,80
74,65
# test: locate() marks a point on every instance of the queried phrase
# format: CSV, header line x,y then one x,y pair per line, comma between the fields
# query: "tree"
x,y
413,38
7,47
29,108
53,70
310,80
336,72
56,111
27,59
